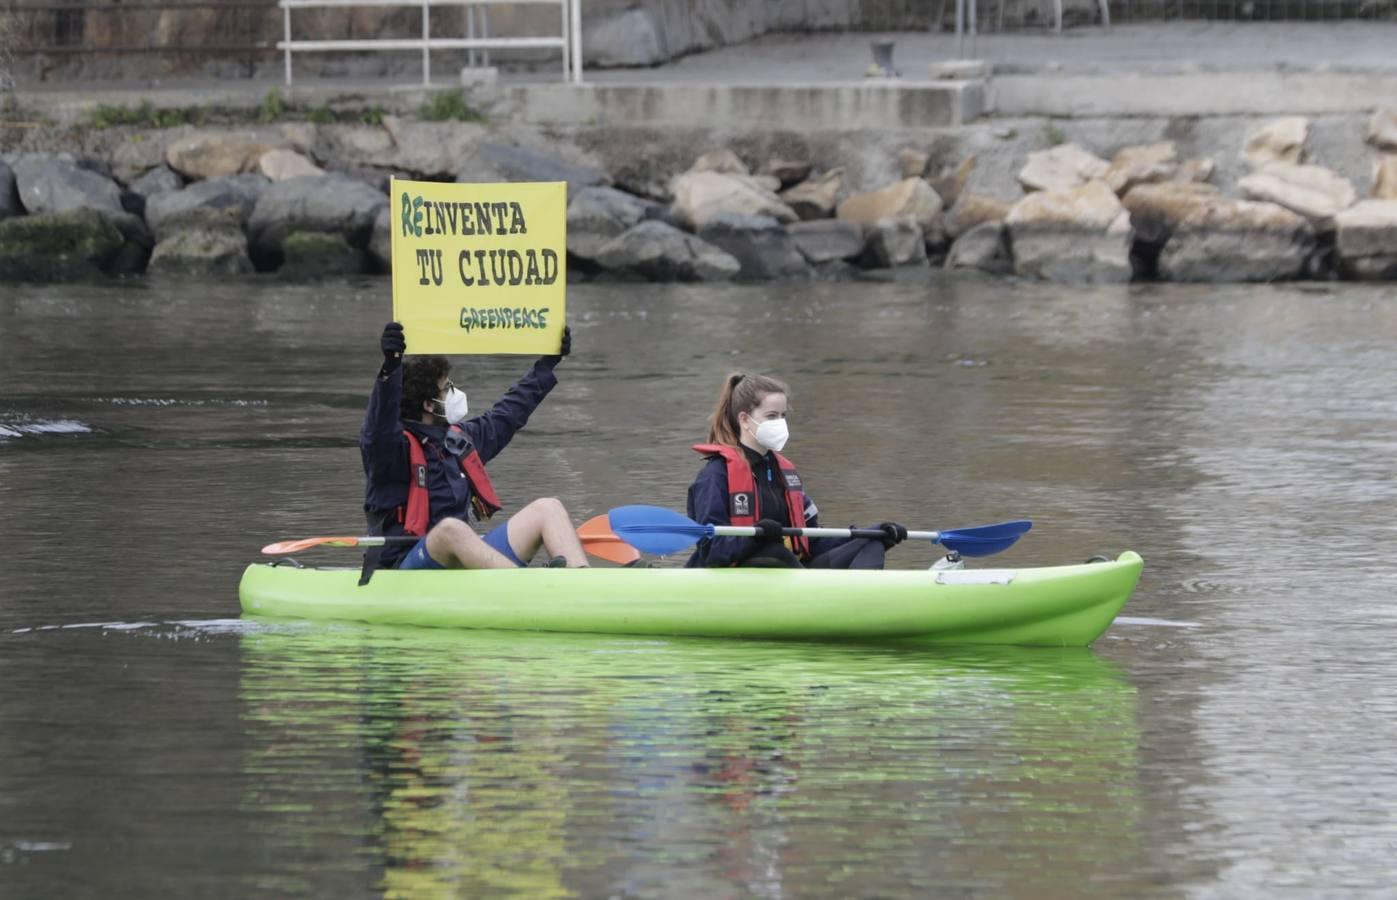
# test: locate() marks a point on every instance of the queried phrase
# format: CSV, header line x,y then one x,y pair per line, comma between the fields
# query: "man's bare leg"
x,y
545,522
452,544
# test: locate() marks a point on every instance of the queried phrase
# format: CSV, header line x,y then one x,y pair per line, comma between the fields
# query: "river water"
x,y
1233,735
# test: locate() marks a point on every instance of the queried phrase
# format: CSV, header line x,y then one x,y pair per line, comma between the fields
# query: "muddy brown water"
x,y
1231,736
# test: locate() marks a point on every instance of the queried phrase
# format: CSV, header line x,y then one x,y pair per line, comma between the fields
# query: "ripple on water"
x,y
20,426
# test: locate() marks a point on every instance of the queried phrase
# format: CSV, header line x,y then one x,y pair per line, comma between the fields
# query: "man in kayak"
x,y
425,463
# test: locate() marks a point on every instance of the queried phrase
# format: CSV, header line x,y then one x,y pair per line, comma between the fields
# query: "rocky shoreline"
x,y
305,201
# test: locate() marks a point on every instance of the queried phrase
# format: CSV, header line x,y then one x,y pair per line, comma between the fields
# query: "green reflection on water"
x,y
464,763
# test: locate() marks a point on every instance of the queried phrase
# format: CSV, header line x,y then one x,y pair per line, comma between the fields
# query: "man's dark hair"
x,y
420,377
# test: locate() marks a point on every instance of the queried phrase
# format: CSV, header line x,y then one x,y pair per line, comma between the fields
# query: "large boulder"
x,y
983,247
1196,170
202,253
49,184
160,180
1385,178
660,252
138,154
827,240
1314,192
971,211
381,242
1366,240
231,198
214,154
437,151
894,242
1143,165
52,184
495,162
311,255
789,172
596,215
814,198
952,181
10,204
910,198
1281,140
1062,168
724,161
373,146
132,256
1237,240
1157,209
912,162
630,37
764,182
1382,130
281,164
760,245
329,204
58,246
1081,235
699,196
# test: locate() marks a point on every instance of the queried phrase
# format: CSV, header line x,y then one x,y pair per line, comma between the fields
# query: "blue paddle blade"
x,y
655,530
984,540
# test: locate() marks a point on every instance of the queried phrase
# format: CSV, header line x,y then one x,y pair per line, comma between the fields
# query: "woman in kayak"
x,y
746,481
425,463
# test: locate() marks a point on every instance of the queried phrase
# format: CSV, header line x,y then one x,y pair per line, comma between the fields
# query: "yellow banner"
x,y
479,268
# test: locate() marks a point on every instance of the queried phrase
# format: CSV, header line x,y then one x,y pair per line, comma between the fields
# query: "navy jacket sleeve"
x,y
708,505
812,520
381,442
491,431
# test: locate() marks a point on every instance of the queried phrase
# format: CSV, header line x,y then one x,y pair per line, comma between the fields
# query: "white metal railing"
x,y
568,41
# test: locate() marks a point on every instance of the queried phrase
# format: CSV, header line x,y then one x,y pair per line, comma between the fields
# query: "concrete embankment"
x,y
674,179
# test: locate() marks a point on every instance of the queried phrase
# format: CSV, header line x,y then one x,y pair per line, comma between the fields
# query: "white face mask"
x,y
773,434
455,407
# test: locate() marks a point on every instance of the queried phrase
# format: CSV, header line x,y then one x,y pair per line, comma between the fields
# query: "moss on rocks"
x,y
315,254
59,246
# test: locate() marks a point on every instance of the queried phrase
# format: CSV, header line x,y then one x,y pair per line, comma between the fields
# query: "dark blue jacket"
x,y
708,505
385,454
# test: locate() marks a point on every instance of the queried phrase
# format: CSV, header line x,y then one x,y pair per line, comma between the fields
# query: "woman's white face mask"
x,y
773,434
454,408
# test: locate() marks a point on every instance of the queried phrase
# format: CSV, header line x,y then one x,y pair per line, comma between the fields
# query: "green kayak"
x,y
1060,606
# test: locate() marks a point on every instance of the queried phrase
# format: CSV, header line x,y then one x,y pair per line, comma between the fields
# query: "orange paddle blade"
x,y
600,541
306,543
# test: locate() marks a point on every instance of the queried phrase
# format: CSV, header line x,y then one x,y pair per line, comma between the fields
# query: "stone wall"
x,y
615,33
1256,200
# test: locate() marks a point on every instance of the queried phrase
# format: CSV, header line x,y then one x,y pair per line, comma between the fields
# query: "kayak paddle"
x,y
600,541
371,540
595,534
654,529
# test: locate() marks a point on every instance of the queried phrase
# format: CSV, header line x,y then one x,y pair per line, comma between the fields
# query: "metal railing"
x,y
568,41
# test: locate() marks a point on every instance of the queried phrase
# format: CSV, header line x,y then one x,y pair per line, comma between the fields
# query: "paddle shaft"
x,y
876,534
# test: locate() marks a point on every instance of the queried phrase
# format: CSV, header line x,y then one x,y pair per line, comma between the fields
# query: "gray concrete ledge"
x,y
1233,93
848,105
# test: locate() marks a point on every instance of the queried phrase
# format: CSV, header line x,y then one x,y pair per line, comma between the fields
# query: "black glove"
x,y
768,530
893,533
393,345
553,359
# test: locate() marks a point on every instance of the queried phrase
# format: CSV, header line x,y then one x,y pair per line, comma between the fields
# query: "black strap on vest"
x,y
372,554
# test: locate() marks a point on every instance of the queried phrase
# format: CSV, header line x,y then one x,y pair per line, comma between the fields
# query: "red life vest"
x,y
744,507
417,515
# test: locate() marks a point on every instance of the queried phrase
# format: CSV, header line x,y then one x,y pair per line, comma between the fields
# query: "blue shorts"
x,y
418,558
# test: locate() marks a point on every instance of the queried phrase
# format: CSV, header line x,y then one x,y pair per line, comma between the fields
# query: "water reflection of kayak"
x,y
1055,606
478,763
